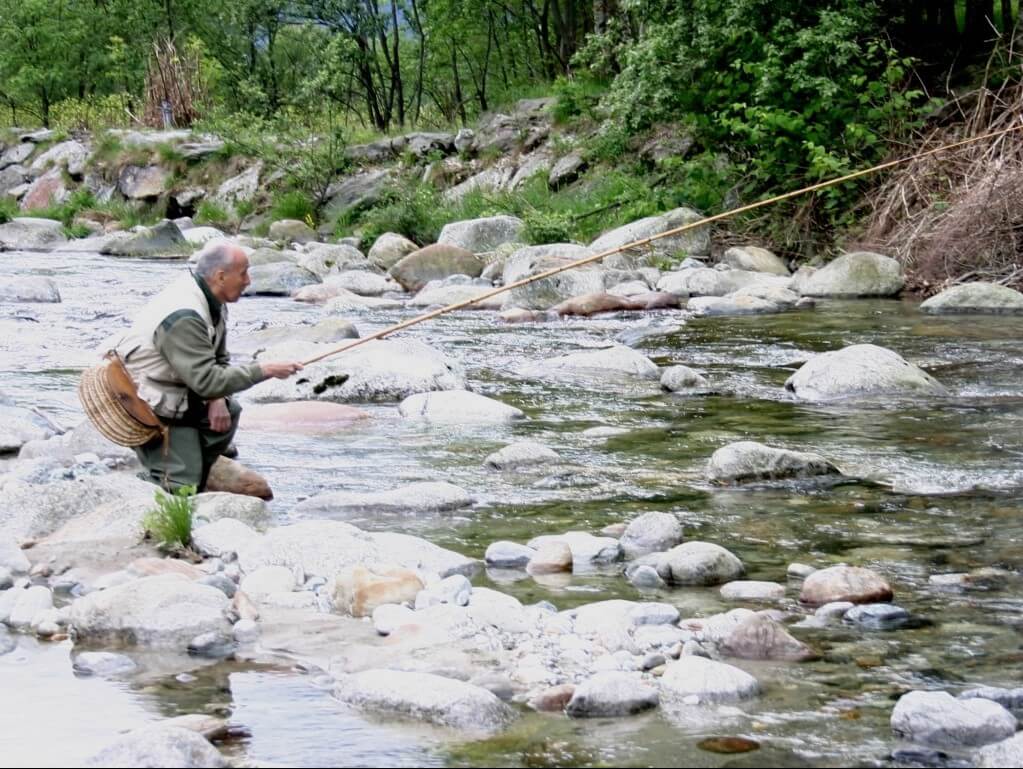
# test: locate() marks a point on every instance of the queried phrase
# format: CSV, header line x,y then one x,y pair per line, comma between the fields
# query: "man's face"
x,y
230,282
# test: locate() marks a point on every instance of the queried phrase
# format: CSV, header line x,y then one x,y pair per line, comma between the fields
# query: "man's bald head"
x,y
220,257
225,268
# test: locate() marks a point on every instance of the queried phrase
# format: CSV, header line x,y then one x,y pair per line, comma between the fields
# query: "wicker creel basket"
x,y
111,402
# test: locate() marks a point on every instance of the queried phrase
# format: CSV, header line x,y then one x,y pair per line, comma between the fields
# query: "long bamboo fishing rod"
x,y
646,241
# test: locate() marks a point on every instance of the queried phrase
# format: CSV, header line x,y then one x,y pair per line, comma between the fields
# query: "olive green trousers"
x,y
192,449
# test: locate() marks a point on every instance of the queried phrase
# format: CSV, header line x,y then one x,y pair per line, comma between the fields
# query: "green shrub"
x,y
293,205
547,227
170,522
576,97
416,211
8,209
210,213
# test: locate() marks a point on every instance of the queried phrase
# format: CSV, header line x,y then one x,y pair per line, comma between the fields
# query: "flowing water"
x,y
942,494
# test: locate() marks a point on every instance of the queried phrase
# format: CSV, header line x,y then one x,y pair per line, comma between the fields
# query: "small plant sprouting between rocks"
x,y
170,522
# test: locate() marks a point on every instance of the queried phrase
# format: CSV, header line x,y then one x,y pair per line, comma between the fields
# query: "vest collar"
x,y
214,303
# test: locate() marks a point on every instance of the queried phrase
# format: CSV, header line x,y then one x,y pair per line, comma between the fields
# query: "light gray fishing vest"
x,y
158,384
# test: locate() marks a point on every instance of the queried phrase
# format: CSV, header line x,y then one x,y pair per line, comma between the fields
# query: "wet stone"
x,y
877,616
728,745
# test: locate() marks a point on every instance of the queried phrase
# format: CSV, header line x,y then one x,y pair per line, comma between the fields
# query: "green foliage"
x,y
211,213
170,522
796,92
307,162
91,113
8,209
293,205
416,211
577,97
547,227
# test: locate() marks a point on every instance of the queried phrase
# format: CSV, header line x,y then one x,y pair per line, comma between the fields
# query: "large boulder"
x,y
143,182
382,370
156,746
16,154
326,548
437,261
457,294
33,511
480,235
610,694
548,292
978,297
29,289
26,233
292,231
279,279
49,189
761,638
424,497
326,258
389,249
470,709
844,583
693,242
699,563
234,477
704,281
457,407
651,533
242,187
20,425
616,359
1001,754
12,177
71,155
83,438
861,371
304,417
747,461
161,241
704,681
939,719
861,273
167,611
355,193
326,331
755,259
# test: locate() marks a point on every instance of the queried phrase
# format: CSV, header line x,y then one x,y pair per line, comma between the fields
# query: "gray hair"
x,y
217,258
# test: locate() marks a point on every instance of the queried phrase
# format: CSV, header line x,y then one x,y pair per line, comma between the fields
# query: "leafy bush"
x,y
576,97
92,112
413,210
170,522
210,213
795,92
293,205
547,227
8,209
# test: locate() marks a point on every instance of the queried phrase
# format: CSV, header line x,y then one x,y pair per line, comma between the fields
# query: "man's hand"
x,y
280,370
219,416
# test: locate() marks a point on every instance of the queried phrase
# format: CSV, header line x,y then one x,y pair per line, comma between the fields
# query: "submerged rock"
x,y
426,697
747,461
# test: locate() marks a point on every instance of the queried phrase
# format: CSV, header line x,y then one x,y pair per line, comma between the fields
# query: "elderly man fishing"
x,y
177,354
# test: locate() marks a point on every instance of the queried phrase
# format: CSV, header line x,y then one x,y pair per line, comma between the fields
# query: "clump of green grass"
x,y
170,522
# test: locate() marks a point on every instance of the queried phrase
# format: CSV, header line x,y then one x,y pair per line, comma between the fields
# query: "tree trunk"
x,y
1007,20
979,27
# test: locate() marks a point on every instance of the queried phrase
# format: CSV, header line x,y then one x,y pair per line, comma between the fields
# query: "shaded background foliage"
x,y
769,94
